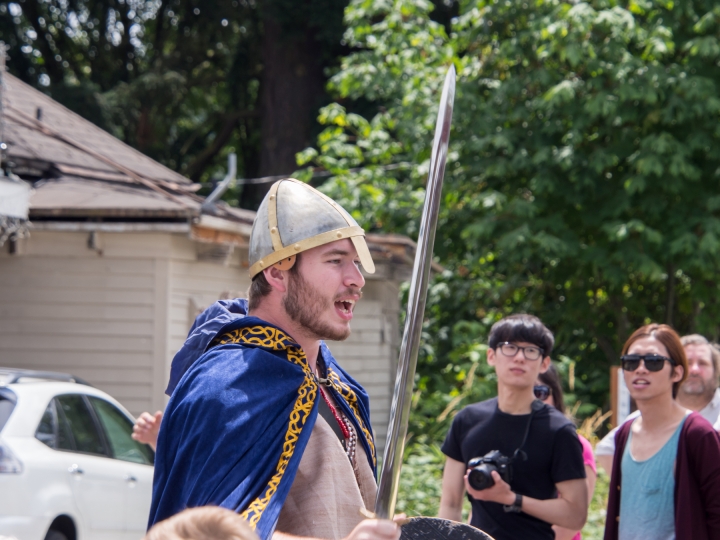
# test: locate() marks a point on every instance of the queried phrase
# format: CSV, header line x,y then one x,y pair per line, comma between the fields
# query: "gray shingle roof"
x,y
27,142
80,170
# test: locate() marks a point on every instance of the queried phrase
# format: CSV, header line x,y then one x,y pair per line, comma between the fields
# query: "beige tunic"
x,y
327,494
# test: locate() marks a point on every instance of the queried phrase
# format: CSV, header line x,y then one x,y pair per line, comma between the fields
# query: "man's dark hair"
x,y
522,327
260,288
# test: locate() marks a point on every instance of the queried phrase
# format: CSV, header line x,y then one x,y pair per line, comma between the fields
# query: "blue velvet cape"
x,y
243,404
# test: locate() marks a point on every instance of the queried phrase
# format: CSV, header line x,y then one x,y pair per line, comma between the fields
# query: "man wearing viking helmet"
x,y
261,419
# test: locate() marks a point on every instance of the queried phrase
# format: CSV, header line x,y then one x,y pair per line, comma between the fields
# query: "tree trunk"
x,y
291,92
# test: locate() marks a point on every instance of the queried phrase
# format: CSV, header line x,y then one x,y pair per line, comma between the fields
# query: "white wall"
x,y
195,285
118,317
65,307
369,354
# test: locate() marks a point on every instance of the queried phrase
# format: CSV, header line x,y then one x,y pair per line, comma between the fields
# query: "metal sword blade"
x,y
400,411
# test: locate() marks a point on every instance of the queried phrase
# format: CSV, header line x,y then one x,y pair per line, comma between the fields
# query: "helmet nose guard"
x,y
294,217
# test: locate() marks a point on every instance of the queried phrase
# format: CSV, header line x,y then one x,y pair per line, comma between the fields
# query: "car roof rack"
x,y
14,375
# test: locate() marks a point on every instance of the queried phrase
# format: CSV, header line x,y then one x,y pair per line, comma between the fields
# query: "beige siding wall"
x,y
369,354
195,285
65,307
118,317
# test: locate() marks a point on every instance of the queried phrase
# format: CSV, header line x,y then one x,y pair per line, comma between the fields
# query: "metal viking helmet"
x,y
294,217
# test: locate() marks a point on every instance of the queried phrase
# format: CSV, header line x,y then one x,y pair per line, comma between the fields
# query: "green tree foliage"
x,y
181,80
173,78
582,180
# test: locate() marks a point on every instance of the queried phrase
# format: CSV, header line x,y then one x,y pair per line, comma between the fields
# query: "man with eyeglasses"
x,y
543,475
698,393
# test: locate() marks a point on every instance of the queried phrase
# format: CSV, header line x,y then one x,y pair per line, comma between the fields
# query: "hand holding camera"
x,y
500,491
480,469
488,478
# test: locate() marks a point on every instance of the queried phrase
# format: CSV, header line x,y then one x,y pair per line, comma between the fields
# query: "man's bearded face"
x,y
701,373
314,310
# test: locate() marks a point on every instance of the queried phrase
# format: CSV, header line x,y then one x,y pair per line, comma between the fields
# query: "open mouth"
x,y
344,308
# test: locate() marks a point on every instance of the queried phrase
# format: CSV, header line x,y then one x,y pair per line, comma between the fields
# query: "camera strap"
x,y
535,407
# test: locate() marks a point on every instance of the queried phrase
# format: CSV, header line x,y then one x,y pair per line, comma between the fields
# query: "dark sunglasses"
x,y
653,362
542,391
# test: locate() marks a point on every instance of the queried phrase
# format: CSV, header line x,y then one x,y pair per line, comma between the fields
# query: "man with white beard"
x,y
698,393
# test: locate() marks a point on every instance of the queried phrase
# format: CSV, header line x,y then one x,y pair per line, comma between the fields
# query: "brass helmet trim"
x,y
284,256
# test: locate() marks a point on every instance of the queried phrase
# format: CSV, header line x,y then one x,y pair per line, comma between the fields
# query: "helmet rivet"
x,y
339,235
297,247
261,263
273,230
272,197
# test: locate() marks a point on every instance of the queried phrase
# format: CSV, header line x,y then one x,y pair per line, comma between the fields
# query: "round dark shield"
x,y
427,528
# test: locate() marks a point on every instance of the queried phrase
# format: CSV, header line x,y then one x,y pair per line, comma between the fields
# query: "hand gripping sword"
x,y
405,378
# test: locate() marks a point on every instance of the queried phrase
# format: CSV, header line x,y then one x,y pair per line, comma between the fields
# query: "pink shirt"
x,y
589,460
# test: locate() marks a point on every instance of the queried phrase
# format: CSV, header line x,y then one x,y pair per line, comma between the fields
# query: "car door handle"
x,y
75,469
130,478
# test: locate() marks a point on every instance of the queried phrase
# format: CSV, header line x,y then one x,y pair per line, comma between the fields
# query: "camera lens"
x,y
480,478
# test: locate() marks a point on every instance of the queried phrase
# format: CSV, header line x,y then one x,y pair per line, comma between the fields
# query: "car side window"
x,y
83,429
46,431
65,440
118,430
7,404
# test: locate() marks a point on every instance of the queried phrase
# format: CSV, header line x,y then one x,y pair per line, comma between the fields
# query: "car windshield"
x,y
7,404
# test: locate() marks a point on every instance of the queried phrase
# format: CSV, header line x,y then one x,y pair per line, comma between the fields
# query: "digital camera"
x,y
480,476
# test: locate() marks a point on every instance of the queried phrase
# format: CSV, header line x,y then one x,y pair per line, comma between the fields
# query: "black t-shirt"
x,y
554,454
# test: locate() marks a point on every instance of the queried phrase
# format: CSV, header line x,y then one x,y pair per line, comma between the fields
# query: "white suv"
x,y
69,469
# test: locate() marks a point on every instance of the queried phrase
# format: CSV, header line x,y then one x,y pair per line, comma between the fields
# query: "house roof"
x,y
24,103
79,172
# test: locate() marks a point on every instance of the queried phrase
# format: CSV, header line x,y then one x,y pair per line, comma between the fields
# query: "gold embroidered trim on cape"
x,y
275,339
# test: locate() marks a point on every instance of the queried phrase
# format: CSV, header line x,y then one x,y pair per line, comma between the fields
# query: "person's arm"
x,y
368,529
453,489
605,462
605,450
146,428
568,510
561,533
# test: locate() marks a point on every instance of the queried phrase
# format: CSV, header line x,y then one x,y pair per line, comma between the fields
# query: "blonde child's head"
x,y
202,523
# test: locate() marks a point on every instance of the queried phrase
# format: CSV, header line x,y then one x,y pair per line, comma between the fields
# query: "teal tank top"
x,y
647,507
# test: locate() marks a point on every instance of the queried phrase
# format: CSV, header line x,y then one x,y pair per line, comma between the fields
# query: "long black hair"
x,y
552,378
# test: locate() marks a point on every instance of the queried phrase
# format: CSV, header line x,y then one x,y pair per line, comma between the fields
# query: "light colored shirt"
x,y
711,413
328,491
647,500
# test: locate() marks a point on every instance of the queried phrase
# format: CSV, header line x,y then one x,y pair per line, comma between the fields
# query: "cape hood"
x,y
207,325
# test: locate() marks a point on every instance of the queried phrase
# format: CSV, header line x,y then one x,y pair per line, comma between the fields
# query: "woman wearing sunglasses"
x,y
665,480
548,389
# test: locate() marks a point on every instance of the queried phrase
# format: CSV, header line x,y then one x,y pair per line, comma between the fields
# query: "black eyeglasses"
x,y
653,362
542,391
510,349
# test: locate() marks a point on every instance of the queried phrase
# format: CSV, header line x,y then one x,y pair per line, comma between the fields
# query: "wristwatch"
x,y
516,506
